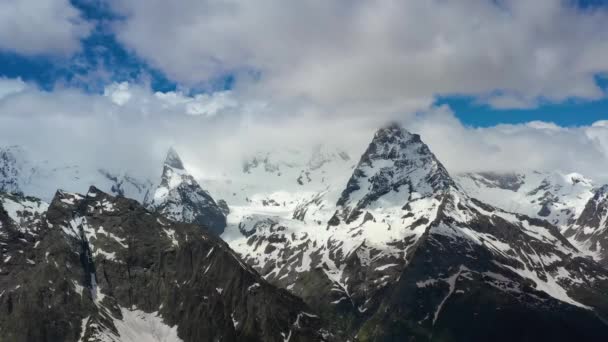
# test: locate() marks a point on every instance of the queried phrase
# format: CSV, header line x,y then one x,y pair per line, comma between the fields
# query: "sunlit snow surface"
x,y
563,195
559,198
26,213
275,218
135,326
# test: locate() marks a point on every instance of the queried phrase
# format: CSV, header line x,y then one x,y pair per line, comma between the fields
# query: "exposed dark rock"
x,y
223,207
96,258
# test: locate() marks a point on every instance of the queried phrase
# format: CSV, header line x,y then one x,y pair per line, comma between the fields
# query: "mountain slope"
x,y
571,202
553,196
180,198
590,230
400,209
102,268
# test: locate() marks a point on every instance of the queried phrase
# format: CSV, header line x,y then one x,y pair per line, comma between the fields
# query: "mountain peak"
x,y
395,158
392,126
395,142
180,197
394,133
173,160
396,168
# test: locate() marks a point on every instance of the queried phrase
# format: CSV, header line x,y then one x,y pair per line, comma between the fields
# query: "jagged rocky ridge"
x,y
408,254
100,268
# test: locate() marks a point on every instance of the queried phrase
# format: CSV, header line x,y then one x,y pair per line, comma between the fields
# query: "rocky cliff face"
x,y
180,198
100,268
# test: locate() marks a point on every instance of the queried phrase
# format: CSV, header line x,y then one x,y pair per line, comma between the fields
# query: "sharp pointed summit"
x,y
180,197
396,162
173,160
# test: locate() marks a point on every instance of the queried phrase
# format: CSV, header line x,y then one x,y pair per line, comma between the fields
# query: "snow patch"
x,y
139,326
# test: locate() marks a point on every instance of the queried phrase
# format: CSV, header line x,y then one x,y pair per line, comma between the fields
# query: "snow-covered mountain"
x,y
556,197
267,175
572,202
406,245
179,197
285,184
386,247
19,173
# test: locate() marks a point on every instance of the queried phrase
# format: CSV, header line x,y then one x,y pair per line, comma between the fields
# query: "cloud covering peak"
x,y
73,127
307,73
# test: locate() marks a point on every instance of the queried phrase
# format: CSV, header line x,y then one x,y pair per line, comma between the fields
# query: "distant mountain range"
x,y
309,245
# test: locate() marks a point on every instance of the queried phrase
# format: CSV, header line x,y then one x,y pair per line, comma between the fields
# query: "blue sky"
x,y
99,50
219,78
567,113
103,59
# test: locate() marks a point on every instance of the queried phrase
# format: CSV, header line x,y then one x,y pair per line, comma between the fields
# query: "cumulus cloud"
x,y
130,128
96,130
200,104
537,145
10,86
41,27
375,57
139,98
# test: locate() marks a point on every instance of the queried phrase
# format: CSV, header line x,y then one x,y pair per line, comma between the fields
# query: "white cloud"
x,y
324,71
529,146
36,27
118,93
377,56
10,86
129,127
601,123
542,125
139,98
92,130
200,104
508,101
